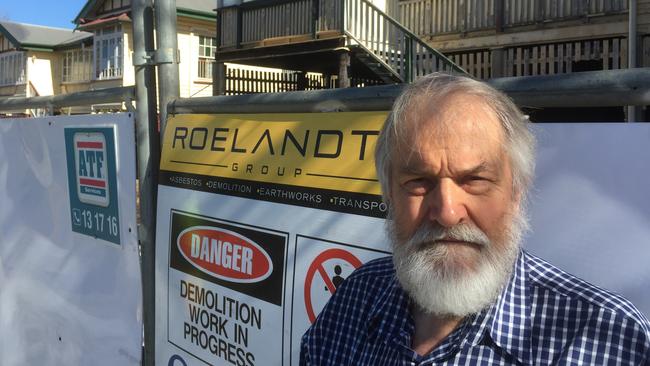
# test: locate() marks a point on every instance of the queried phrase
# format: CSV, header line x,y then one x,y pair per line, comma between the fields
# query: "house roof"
x,y
200,8
204,6
31,36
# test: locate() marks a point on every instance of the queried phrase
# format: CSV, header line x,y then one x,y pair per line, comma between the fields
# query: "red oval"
x,y
224,254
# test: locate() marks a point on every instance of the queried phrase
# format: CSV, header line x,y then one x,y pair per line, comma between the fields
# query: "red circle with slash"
x,y
317,267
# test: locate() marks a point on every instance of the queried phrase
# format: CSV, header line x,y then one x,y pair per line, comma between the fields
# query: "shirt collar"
x,y
507,322
509,319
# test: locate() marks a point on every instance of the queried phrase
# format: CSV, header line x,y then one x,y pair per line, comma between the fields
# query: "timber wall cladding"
x,y
546,59
5,45
280,20
434,17
429,17
228,27
561,58
477,63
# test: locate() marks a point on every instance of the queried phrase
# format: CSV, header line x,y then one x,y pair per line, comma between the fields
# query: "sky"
x,y
53,13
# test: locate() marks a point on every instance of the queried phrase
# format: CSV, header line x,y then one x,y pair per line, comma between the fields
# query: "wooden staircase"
x,y
391,51
310,36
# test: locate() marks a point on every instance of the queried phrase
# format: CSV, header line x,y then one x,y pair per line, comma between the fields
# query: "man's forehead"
x,y
454,120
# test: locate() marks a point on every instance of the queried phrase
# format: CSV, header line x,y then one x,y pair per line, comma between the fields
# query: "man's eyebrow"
x,y
484,166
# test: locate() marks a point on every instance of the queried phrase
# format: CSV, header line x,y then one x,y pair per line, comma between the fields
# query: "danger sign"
x,y
225,282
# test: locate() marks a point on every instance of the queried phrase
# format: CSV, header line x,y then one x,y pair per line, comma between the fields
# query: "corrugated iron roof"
x,y
205,6
37,35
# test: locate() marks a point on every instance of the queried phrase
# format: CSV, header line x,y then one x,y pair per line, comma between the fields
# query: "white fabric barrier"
x,y
590,207
266,214
70,284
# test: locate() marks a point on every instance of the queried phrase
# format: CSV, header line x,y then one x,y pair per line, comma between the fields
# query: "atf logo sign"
x,y
90,161
244,258
224,254
92,182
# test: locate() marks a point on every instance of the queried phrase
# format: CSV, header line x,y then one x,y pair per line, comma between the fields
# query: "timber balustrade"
x,y
435,17
387,46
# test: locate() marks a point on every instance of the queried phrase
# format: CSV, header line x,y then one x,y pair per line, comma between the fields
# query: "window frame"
x,y
207,66
78,63
11,72
105,51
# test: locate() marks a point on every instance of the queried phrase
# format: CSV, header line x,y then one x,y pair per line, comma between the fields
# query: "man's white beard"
x,y
437,284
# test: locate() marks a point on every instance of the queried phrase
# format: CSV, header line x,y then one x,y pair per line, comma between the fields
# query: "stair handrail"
x,y
412,36
370,52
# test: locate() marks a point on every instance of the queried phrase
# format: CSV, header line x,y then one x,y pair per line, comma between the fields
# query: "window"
x,y
12,68
207,49
77,65
108,53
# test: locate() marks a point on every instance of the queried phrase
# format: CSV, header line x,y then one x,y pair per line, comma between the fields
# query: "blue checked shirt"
x,y
543,316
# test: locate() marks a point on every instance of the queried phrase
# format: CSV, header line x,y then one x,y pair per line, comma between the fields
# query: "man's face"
x,y
451,175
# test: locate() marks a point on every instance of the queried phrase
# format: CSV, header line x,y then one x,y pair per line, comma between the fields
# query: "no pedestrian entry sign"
x,y
340,258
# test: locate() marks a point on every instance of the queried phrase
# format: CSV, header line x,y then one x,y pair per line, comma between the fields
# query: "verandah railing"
x,y
434,17
390,44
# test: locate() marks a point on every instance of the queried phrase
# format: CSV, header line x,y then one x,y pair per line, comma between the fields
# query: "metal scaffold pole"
x,y
148,154
166,56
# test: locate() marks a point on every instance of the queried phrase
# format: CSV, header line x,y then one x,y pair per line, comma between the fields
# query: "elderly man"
x,y
455,159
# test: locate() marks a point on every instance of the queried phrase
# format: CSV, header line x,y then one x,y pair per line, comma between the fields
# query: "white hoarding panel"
x,y
261,217
590,207
70,284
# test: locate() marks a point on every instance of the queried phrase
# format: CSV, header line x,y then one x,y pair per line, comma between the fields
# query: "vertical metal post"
x,y
148,151
631,49
166,56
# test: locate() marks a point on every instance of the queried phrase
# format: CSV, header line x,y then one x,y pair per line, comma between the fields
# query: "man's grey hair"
x,y
414,104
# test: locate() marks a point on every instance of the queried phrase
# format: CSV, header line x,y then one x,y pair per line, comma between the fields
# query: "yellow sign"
x,y
319,150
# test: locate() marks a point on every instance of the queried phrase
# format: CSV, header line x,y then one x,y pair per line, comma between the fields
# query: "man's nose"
x,y
446,203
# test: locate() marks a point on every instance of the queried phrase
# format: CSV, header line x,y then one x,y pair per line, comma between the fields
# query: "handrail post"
x,y
240,19
342,16
408,58
315,9
218,30
498,15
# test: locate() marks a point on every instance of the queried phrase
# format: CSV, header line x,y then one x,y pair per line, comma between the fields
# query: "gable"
x,y
94,9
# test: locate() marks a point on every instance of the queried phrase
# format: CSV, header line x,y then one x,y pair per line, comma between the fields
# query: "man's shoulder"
x,y
342,325
377,269
559,295
364,284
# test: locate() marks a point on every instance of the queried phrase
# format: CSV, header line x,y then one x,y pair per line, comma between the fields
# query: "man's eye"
x,y
476,182
476,178
418,186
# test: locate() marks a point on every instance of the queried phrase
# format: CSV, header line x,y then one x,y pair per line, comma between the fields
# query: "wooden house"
x,y
108,62
354,42
30,58
493,38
